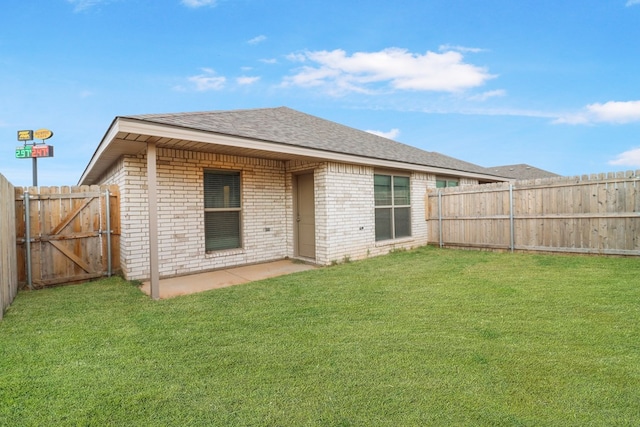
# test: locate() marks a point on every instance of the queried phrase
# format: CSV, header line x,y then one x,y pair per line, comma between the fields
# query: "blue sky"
x,y
555,84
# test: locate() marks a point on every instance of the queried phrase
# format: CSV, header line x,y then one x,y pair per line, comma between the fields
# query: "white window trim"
x,y
234,209
393,207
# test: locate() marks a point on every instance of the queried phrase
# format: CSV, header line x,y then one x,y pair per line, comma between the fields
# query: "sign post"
x,y
34,150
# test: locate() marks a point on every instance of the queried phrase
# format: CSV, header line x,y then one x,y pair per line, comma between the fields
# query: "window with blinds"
x,y
446,182
222,210
392,206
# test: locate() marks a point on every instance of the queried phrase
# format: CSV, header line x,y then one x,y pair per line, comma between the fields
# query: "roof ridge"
x,y
202,112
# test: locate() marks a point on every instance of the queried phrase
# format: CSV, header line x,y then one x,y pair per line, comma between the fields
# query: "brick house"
x,y
203,191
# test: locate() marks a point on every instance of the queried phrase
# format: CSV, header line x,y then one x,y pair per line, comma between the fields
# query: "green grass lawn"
x,y
424,337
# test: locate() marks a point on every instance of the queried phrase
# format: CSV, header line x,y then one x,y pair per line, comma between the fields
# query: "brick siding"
x,y
345,221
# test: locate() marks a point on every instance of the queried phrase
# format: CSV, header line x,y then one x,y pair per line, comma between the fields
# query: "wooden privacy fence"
x,y
8,267
74,234
596,214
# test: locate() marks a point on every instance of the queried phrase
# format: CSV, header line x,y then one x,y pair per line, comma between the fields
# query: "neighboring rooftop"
x,y
521,172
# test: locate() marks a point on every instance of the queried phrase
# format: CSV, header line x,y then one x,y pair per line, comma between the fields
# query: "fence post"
x,y
107,197
512,241
440,217
27,237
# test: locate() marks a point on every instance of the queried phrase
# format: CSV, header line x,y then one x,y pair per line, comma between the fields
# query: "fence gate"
x,y
66,234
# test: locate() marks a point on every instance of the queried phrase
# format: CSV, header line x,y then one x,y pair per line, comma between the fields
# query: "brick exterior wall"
x,y
345,203
344,211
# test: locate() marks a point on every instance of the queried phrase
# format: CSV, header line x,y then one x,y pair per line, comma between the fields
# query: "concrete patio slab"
x,y
184,285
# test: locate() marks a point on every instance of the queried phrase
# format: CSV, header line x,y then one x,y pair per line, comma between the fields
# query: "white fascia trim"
x,y
104,144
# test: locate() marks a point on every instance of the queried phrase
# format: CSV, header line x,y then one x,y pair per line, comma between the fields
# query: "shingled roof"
x,y
283,125
274,133
521,172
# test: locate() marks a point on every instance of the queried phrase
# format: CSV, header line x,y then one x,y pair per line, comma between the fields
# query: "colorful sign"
x,y
34,151
42,134
25,135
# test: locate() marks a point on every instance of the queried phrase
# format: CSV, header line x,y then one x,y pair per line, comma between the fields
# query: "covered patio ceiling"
x,y
125,139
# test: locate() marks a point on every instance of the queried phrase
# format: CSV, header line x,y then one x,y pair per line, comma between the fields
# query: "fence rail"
x,y
8,267
66,234
596,214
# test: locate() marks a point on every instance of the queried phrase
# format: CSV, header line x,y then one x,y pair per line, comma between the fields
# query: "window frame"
x,y
238,209
448,182
393,208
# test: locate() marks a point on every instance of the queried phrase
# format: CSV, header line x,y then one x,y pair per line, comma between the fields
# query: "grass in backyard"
x,y
423,337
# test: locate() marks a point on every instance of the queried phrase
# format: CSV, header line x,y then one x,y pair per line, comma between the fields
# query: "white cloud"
x,y
258,39
392,134
81,5
247,80
489,94
198,3
572,119
617,112
297,57
208,80
400,69
628,158
463,49
632,2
